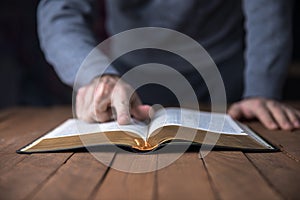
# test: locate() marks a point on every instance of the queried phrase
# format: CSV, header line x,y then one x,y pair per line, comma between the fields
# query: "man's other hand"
x,y
272,114
96,101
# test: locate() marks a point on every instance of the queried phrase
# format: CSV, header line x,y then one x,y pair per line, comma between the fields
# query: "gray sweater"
x,y
257,31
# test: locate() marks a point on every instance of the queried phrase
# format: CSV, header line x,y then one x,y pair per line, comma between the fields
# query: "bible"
x,y
167,126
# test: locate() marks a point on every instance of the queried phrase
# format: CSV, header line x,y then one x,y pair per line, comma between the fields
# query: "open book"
x,y
169,125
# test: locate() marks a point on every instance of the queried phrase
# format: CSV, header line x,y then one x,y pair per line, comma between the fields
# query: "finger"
x,y
102,91
235,111
297,113
139,111
101,105
120,101
85,107
279,115
294,119
104,116
264,116
88,97
79,102
102,111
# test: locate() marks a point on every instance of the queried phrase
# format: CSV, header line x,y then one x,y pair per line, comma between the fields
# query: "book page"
x,y
206,121
73,127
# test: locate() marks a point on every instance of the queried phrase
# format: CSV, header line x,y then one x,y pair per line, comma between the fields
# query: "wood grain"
x,y
25,177
22,127
28,124
287,141
21,175
123,185
235,177
186,178
76,179
78,175
282,172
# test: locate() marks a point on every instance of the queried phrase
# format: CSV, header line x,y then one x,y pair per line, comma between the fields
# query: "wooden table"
x,y
70,175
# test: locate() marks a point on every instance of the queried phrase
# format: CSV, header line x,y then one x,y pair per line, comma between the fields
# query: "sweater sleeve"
x,y
66,38
268,46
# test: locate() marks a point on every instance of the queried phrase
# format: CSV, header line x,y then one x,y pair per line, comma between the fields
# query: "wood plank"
x,y
234,177
76,179
8,121
18,131
28,175
8,160
28,124
287,141
186,178
23,174
123,185
42,175
27,129
6,113
282,173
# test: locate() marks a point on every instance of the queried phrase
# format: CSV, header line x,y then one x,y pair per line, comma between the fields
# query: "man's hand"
x,y
272,114
96,101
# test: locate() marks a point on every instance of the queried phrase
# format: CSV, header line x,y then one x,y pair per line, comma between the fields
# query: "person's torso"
x,y
216,24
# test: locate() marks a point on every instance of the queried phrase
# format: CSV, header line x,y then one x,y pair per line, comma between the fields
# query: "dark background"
x,y
27,79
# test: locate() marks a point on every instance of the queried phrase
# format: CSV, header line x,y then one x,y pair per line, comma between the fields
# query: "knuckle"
x,y
81,91
107,90
108,79
258,103
78,99
127,87
275,106
124,102
123,85
272,103
99,99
